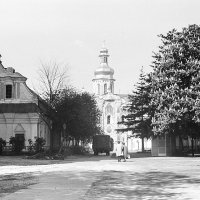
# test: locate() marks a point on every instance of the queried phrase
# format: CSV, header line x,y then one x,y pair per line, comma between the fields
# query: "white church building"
x,y
21,110
111,105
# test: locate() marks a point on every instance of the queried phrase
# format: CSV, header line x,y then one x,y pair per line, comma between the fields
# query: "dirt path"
x,y
141,178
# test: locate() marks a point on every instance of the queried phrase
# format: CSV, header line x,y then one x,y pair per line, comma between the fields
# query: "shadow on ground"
x,y
151,185
112,185
15,182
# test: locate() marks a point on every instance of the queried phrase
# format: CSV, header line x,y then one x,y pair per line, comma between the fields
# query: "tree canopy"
x,y
139,111
80,114
138,119
167,100
175,88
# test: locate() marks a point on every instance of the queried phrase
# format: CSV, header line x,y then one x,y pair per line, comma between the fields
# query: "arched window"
x,y
109,110
108,119
111,88
98,88
123,118
105,88
8,91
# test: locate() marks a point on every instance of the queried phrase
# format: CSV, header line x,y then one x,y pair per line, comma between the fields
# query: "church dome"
x,y
103,82
104,68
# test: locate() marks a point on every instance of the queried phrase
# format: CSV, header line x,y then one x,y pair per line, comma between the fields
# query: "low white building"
x,y
111,105
21,110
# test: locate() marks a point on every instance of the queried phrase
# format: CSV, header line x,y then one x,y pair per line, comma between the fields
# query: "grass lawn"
x,y
20,161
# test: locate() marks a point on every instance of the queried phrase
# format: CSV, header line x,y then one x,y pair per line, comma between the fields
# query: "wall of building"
x,y
163,145
27,120
29,123
22,94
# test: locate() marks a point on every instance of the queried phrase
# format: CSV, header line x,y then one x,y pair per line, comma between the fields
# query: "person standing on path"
x,y
124,151
119,152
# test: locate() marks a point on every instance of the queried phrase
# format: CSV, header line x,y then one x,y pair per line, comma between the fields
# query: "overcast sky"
x,y
72,32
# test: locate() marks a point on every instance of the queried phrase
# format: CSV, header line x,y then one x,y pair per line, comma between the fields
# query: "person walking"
x,y
124,151
119,152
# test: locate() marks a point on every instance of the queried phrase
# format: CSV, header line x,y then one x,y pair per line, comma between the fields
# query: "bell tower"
x,y
103,81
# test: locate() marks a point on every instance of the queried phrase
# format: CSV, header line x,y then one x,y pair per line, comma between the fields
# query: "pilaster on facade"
x,y
19,108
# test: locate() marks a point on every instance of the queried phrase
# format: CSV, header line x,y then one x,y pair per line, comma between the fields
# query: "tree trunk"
x,y
51,140
142,144
76,143
181,147
61,147
68,142
192,147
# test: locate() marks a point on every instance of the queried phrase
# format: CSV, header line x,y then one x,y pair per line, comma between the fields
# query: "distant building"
x,y
21,110
171,145
111,104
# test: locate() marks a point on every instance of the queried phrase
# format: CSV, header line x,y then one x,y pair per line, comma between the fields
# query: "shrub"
x,y
17,144
39,144
31,146
2,144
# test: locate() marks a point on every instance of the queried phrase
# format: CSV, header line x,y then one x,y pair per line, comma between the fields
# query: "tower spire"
x,y
103,81
104,54
104,44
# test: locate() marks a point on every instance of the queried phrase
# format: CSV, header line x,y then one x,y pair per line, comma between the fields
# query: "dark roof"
x,y
18,108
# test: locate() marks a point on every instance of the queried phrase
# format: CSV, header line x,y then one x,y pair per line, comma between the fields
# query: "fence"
x,y
25,149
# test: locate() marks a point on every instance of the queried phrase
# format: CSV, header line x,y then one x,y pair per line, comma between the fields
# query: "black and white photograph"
x,y
99,99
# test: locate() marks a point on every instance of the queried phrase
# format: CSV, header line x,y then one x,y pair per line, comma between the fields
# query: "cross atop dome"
x,y
104,54
104,44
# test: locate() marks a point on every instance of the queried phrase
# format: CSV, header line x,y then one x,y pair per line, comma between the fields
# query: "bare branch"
x,y
52,77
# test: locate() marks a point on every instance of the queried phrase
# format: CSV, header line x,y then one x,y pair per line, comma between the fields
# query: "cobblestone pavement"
x,y
138,178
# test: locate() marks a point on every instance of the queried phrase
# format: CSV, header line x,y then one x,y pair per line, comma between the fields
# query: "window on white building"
x,y
105,88
8,91
111,88
109,110
98,88
108,119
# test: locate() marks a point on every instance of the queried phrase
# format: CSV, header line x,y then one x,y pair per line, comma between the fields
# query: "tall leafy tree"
x,y
176,83
138,119
80,114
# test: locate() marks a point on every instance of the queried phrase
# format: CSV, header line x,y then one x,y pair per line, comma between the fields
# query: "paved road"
x,y
138,178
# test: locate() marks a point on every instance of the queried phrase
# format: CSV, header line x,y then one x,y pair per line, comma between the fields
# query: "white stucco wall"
x,y
30,124
117,103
